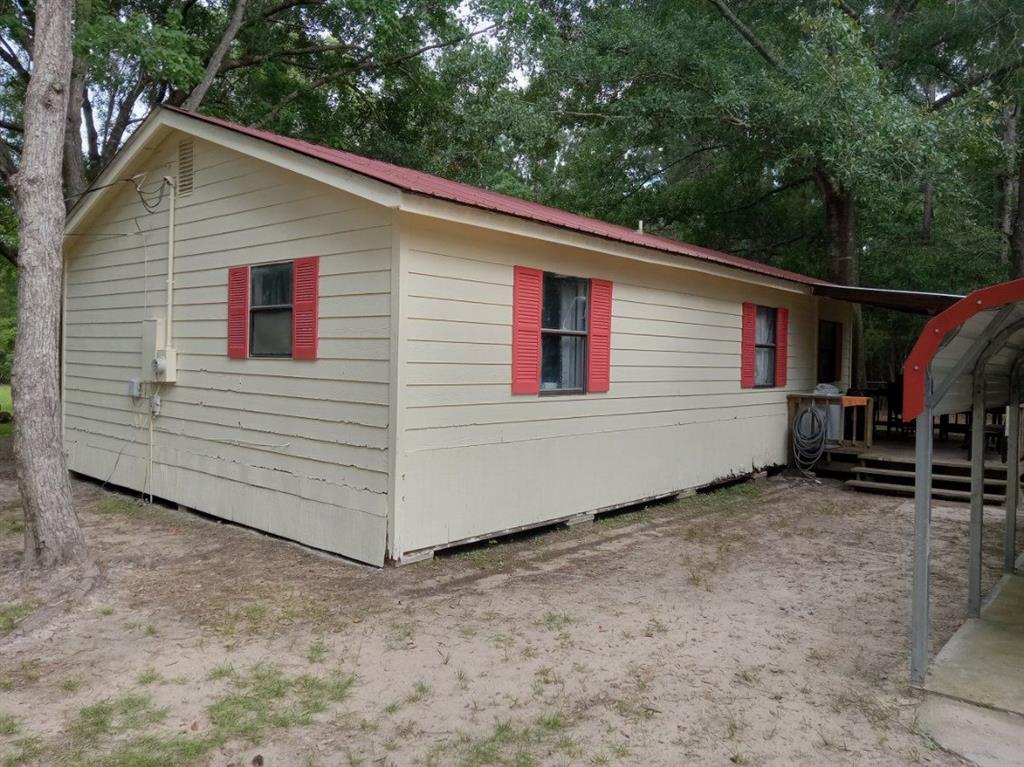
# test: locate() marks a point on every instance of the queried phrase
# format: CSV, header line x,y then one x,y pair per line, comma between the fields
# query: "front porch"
x,y
888,466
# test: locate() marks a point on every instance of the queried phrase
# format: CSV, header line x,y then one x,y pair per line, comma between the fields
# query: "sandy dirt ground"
x,y
764,624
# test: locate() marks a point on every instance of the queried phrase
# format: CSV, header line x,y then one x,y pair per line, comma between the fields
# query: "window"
x,y
564,334
765,347
830,340
270,311
561,333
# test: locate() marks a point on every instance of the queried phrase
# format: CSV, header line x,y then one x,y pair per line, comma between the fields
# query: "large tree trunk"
x,y
53,536
843,258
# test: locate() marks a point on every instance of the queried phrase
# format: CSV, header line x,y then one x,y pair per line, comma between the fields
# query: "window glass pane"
x,y
562,362
271,333
565,302
272,285
764,366
765,325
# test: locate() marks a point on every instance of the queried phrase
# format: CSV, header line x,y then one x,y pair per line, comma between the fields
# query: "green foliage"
x,y
627,110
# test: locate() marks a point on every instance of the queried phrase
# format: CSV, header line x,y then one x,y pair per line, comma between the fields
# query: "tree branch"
x,y
195,98
747,34
9,252
979,79
287,6
121,121
92,140
762,198
12,60
7,165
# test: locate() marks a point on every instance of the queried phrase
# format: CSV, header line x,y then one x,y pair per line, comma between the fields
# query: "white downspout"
x,y
169,323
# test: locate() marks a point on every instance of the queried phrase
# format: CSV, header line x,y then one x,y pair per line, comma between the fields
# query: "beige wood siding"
x,y
299,449
476,459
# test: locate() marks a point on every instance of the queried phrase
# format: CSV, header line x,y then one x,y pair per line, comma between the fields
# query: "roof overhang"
x,y
912,301
980,338
417,193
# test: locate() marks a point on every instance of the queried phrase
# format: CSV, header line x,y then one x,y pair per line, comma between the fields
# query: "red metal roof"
x,y
417,182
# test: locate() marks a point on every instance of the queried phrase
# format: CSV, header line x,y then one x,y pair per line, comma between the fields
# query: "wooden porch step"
x,y
909,474
950,466
937,492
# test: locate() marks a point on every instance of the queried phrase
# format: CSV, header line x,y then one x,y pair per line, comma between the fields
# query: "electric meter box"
x,y
159,362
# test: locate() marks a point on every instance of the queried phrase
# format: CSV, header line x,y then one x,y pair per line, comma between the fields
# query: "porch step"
x,y
937,492
909,474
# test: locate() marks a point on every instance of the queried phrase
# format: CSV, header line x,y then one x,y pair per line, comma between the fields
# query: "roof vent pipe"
x,y
640,227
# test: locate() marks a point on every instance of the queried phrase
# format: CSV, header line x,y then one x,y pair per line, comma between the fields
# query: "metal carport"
x,y
967,358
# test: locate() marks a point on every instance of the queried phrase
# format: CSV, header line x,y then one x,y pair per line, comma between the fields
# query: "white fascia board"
x,y
450,211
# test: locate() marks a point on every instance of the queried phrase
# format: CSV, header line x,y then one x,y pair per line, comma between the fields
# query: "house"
x,y
378,362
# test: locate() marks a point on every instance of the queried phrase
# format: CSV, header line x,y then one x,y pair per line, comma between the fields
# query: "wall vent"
x,y
186,166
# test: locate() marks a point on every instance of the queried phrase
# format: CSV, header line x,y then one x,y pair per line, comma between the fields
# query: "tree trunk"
x,y
1017,227
928,189
1008,184
53,536
927,211
843,258
74,164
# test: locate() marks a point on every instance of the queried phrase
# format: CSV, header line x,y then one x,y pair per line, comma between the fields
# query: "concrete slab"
x,y
986,737
984,661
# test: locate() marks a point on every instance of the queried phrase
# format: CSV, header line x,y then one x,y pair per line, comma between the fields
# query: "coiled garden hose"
x,y
809,431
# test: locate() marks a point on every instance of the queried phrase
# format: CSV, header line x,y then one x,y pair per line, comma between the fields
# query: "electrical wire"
x,y
809,431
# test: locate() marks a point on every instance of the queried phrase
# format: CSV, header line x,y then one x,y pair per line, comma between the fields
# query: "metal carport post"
x,y
969,356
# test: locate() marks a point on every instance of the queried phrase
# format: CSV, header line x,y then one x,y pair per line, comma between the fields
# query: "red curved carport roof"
x,y
939,327
417,182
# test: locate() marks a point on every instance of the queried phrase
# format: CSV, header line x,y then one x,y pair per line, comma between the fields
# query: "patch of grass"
x,y
317,651
554,720
115,716
265,698
150,630
9,724
556,621
223,671
400,635
655,626
106,610
512,744
149,676
633,709
13,613
26,750
419,692
13,525
71,685
116,506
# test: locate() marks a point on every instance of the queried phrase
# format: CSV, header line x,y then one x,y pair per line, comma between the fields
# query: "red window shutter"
x,y
781,346
238,312
305,307
747,339
527,288
599,336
